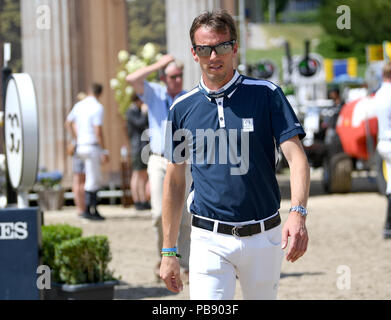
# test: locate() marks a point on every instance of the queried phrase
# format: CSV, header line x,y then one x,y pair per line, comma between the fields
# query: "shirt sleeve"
x,y
152,94
169,143
284,120
71,115
177,139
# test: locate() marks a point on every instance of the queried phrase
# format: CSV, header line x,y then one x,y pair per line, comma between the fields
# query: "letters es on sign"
x,y
13,230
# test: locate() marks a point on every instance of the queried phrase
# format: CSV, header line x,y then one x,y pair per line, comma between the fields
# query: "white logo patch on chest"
x,y
248,125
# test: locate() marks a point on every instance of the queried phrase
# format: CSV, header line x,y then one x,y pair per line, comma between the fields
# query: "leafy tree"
x,y
280,6
10,30
370,24
147,23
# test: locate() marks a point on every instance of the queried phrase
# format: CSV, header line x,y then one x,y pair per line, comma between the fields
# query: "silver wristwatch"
x,y
300,209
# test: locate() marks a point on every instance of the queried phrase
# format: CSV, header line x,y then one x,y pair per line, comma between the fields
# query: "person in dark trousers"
x,y
137,123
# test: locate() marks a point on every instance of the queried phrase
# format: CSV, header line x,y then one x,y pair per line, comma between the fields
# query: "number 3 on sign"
x,y
15,134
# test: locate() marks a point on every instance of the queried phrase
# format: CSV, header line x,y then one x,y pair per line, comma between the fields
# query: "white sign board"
x,y
21,131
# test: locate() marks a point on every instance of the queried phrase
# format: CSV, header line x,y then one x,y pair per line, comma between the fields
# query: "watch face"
x,y
300,209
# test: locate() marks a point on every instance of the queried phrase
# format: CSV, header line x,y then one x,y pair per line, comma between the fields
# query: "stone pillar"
x,y
67,45
179,17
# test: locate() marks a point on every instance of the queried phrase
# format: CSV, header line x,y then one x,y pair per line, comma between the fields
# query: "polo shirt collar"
x,y
225,90
169,99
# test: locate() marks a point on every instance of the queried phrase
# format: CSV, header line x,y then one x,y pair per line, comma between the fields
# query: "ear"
x,y
235,50
195,57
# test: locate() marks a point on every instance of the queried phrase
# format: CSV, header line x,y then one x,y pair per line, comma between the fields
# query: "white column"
x,y
179,17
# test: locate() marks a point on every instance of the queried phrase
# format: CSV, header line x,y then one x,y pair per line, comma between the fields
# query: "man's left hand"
x,y
296,229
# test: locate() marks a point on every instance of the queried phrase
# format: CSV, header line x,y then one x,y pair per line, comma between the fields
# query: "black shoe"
x,y
97,216
87,215
138,206
91,204
146,206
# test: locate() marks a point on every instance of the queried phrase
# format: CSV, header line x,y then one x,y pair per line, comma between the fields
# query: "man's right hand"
x,y
170,273
165,60
136,78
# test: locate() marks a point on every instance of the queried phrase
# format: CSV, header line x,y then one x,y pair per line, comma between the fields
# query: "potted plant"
x,y
49,189
79,265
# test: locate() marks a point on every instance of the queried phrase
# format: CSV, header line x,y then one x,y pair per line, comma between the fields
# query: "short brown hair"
x,y
97,89
387,70
220,21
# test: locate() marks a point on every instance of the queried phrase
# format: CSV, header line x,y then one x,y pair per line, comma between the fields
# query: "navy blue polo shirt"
x,y
231,138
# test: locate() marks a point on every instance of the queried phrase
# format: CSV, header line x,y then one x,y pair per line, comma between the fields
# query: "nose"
x,y
213,54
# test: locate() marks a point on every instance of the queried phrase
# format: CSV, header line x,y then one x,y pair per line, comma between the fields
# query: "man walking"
x,y
86,118
159,98
231,126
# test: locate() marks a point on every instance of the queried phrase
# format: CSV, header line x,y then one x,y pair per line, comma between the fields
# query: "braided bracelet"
x,y
171,254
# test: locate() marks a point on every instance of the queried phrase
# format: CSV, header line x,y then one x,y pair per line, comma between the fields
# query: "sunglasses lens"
x,y
176,76
224,48
203,51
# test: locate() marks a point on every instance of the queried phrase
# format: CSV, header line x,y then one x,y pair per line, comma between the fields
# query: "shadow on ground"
x,y
359,184
125,291
300,274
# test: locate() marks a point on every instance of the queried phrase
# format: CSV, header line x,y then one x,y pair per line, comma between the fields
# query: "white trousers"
x,y
384,149
156,172
216,259
90,154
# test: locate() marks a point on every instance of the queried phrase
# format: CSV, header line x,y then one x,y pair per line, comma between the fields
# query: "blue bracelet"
x,y
169,249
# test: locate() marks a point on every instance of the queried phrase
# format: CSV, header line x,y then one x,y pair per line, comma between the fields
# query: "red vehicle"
x,y
356,133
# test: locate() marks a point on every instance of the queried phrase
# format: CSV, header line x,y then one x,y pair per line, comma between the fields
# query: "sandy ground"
x,y
347,257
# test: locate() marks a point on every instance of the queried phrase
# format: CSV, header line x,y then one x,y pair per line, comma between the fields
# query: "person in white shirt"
x,y
383,112
86,118
79,175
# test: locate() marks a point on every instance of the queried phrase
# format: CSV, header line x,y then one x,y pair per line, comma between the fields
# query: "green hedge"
x,y
53,235
74,259
84,260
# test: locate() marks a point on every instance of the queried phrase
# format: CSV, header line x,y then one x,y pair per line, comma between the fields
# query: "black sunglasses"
x,y
221,48
173,77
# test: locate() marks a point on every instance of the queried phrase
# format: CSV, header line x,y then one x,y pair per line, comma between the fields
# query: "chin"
x,y
216,77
